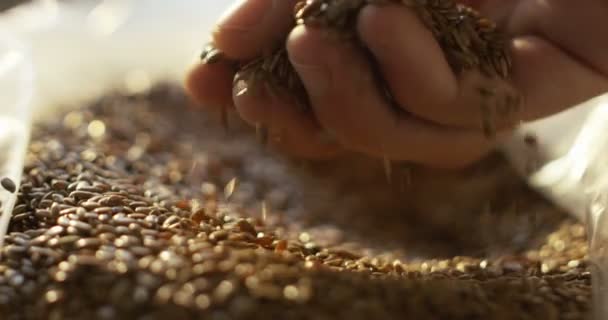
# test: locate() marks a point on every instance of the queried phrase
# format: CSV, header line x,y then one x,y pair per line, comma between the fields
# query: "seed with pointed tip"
x,y
8,185
211,54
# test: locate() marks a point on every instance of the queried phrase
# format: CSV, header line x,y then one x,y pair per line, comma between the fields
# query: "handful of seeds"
x,y
469,42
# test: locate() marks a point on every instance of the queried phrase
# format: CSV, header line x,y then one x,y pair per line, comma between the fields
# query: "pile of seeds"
x,y
139,207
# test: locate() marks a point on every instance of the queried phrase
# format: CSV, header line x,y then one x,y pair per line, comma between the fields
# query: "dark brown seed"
x,y
8,185
530,140
211,55
264,241
280,246
198,216
218,235
19,209
43,213
13,250
246,227
44,252
82,195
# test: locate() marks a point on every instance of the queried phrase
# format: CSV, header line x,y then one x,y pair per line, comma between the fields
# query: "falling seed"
x,y
224,117
261,132
264,211
241,87
230,188
8,185
406,178
388,169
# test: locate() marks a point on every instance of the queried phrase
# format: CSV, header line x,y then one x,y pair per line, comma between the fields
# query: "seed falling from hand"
x,y
224,117
388,169
261,132
8,185
264,211
230,187
406,178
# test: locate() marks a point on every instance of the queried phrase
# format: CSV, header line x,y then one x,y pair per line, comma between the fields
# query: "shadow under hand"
x,y
485,210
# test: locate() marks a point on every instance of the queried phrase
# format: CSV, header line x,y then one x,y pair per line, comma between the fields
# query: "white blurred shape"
x,y
155,37
137,81
10,60
16,90
108,16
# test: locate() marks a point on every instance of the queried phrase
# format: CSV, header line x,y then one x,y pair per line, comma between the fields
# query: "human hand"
x,y
441,126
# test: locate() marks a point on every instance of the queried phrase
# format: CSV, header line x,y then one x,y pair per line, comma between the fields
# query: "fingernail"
x,y
245,14
316,78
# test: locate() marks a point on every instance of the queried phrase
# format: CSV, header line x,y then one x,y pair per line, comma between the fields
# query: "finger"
x,y
291,130
252,26
420,78
350,106
210,85
498,11
411,61
549,79
558,51
579,30
340,85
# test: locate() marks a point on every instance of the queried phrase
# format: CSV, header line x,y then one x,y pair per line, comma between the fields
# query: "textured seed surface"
x,y
8,185
101,232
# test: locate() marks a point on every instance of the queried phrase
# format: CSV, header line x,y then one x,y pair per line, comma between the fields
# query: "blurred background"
x,y
95,45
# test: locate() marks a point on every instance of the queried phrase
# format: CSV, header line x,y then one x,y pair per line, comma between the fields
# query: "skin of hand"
x,y
560,58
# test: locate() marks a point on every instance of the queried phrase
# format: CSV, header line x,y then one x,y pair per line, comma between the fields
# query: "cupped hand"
x,y
558,60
